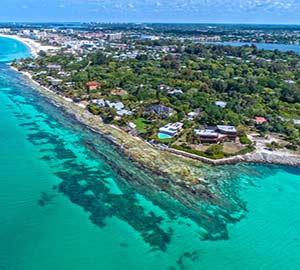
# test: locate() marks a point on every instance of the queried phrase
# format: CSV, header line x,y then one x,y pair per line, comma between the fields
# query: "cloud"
x,y
260,11
209,5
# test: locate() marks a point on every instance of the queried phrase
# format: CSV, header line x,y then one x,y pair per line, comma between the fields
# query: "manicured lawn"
x,y
141,124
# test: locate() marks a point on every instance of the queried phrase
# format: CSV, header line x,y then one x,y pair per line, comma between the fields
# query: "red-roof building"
x,y
260,120
93,85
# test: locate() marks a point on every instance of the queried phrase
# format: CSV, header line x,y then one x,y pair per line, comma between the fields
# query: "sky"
x,y
202,11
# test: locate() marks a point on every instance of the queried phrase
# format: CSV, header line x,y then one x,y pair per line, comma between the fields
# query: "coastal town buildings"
x,y
166,87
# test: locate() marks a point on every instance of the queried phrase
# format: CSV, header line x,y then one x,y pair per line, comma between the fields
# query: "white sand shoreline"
x,y
34,46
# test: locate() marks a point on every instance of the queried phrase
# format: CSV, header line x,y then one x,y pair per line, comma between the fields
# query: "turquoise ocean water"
x,y
66,202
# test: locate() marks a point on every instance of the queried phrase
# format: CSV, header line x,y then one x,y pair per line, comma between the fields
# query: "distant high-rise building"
x,y
113,36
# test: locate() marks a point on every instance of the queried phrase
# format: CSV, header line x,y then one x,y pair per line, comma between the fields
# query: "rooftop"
x,y
171,128
221,104
260,120
207,133
226,128
93,83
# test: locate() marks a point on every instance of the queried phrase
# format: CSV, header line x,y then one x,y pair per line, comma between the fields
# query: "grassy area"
x,y
141,124
214,152
207,154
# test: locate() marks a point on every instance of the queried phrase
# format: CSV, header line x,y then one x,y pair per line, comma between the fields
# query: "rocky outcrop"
x,y
272,158
276,158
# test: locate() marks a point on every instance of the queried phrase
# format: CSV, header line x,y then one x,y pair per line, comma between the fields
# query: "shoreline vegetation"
x,y
258,156
180,164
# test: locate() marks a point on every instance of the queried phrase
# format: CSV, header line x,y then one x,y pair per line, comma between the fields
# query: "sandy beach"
x,y
34,46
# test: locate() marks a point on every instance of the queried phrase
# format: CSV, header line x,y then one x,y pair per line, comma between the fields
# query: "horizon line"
x,y
146,22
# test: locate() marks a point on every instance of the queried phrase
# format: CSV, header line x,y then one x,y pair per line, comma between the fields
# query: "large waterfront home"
x,y
209,135
229,131
216,134
170,130
105,103
118,106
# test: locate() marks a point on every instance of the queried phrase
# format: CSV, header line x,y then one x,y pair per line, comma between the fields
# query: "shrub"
x,y
292,147
215,152
94,109
244,139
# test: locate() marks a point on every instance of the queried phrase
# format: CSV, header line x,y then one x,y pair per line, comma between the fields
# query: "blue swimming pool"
x,y
163,136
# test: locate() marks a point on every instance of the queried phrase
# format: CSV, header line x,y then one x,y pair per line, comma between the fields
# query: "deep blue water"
x,y
70,200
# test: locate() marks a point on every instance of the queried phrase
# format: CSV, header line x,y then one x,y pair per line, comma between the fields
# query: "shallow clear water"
x,y
67,203
16,50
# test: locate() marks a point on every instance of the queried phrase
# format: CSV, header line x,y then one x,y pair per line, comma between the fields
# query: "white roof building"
x,y
171,129
221,104
207,133
227,129
290,81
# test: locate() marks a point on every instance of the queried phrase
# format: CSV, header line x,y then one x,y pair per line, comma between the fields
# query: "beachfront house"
x,y
229,131
216,134
99,102
43,72
105,103
131,125
124,112
209,135
170,130
118,106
